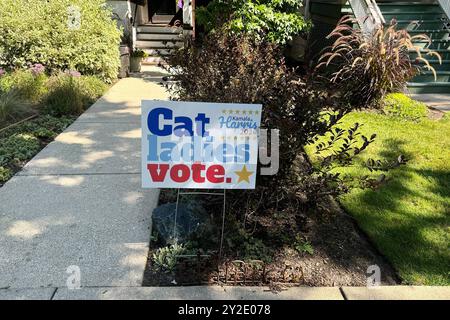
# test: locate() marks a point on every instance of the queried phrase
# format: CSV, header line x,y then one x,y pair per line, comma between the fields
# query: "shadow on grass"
x,y
408,219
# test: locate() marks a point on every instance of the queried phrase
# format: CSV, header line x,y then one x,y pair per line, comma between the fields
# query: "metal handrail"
x,y
367,14
445,5
377,12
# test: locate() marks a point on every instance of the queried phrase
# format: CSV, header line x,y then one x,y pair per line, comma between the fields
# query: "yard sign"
x,y
199,145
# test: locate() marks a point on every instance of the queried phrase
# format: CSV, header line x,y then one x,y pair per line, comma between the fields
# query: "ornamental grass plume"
x,y
367,67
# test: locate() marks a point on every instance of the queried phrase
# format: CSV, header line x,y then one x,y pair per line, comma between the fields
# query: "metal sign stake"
x,y
223,194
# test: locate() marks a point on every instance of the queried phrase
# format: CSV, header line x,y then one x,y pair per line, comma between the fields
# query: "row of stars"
x,y
243,137
240,112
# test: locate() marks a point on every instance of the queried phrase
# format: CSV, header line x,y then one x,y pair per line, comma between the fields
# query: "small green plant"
x,y
138,53
65,96
303,246
165,259
401,106
5,174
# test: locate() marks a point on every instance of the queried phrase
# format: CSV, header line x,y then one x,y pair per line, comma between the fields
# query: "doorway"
x,y
161,11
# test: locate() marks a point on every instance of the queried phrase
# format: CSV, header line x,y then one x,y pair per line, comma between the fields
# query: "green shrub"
x,y
275,20
65,96
30,87
402,106
91,88
70,93
40,31
12,106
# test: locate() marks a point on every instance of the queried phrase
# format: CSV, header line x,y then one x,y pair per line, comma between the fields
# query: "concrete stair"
x,y
158,41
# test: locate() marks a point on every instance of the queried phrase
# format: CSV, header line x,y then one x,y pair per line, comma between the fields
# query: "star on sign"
x,y
244,174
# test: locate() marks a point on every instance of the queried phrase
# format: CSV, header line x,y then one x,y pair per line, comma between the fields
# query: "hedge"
x,y
40,31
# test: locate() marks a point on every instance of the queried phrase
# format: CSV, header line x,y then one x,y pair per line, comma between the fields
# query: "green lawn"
x,y
408,218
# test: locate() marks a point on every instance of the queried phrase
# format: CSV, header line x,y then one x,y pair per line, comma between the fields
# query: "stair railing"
x,y
367,14
445,5
189,16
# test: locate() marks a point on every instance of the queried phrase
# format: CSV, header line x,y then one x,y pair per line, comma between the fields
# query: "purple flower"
x,y
73,73
2,72
37,69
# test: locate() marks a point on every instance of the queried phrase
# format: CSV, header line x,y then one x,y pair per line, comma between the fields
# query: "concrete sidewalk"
x,y
230,293
438,101
79,201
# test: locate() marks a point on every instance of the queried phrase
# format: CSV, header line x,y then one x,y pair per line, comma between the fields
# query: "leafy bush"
x,y
368,67
240,69
70,94
29,84
64,96
402,106
12,106
40,31
276,20
91,88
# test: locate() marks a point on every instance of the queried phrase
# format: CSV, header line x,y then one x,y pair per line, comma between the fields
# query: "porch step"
x,y
159,52
444,53
162,18
417,24
148,44
158,28
409,6
412,15
158,40
154,60
428,76
435,44
428,87
433,34
445,66
159,36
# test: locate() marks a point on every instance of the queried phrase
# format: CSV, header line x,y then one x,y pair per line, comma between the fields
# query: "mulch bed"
x,y
342,254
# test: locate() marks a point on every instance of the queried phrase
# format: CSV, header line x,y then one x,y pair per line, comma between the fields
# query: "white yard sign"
x,y
199,145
